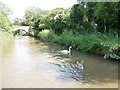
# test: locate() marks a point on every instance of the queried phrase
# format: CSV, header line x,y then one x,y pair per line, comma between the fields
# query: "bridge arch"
x,y
18,29
26,28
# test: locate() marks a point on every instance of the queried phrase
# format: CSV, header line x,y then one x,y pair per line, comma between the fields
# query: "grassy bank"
x,y
104,44
4,36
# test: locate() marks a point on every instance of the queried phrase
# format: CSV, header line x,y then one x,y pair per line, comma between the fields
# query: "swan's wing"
x,y
64,51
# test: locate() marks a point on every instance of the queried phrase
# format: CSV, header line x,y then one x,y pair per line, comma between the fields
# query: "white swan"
x,y
66,52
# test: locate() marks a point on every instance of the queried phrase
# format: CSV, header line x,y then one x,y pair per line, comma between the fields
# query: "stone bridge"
x,y
24,28
17,30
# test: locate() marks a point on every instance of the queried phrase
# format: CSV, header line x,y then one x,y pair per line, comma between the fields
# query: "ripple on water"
x,y
32,62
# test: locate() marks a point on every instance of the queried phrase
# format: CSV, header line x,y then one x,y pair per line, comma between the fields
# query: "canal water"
x,y
30,63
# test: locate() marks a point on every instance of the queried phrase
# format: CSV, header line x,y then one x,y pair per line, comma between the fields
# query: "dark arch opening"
x,y
20,32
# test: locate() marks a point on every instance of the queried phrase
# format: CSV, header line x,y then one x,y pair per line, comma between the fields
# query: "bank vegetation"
x,y
88,27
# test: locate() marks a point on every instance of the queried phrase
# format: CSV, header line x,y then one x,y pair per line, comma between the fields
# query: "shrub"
x,y
104,44
43,35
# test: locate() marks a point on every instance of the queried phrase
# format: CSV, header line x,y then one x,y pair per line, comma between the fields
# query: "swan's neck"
x,y
69,49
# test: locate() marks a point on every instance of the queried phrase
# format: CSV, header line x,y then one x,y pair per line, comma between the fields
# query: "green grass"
x,y
43,35
104,44
4,36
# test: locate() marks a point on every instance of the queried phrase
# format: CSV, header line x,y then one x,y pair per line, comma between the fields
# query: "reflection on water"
x,y
31,63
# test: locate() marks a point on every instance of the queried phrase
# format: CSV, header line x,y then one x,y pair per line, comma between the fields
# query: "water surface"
x,y
29,63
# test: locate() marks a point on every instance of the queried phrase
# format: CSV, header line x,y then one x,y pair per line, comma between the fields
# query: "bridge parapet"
x,y
25,28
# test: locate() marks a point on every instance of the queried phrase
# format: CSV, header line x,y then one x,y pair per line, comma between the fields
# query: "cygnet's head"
x,y
81,62
77,62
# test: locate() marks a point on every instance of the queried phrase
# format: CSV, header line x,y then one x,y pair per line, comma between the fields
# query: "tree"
x,y
5,23
31,14
17,21
5,9
77,15
106,15
56,19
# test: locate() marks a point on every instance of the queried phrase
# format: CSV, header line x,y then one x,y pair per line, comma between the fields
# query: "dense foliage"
x,y
91,27
5,23
4,20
